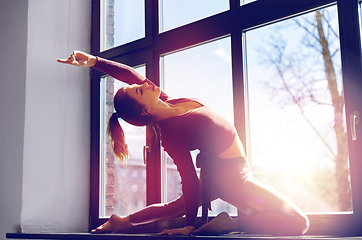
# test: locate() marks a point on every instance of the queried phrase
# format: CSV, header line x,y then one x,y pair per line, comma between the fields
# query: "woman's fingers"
x,y
166,231
70,61
62,60
77,59
67,61
176,231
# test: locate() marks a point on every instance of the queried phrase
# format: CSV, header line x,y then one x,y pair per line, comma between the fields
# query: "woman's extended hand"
x,y
79,59
178,231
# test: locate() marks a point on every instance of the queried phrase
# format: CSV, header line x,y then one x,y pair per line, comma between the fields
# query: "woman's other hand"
x,y
178,231
79,59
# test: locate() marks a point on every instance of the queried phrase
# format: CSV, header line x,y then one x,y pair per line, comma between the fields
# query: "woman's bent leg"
x,y
159,211
273,223
267,210
114,224
271,212
150,213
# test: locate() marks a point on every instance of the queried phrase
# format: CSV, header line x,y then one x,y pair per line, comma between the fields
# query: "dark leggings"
x,y
266,210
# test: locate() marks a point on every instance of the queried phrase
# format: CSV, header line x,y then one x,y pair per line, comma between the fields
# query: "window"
x,y
206,67
190,10
241,37
122,186
294,81
122,21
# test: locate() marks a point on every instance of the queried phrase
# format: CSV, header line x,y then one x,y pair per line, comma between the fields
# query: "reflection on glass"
x,y
122,21
202,72
297,129
176,13
122,187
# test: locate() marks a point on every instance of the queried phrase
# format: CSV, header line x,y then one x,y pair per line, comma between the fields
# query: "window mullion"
x,y
153,166
234,4
238,84
350,41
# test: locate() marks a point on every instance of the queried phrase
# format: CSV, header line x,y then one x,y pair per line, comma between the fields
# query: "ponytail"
x,y
117,139
131,112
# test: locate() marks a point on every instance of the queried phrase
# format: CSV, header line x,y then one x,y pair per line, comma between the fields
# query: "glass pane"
x,y
202,72
122,187
246,1
297,125
176,13
122,21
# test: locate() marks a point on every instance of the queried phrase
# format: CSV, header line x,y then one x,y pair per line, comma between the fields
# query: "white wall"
x,y
44,116
13,44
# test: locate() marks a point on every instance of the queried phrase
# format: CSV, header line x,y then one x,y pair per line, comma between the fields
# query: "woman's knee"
x,y
301,224
305,224
176,206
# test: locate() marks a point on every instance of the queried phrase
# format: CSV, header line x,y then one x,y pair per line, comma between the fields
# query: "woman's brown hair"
x,y
130,111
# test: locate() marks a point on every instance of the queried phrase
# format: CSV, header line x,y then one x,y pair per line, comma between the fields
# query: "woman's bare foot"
x,y
222,223
114,224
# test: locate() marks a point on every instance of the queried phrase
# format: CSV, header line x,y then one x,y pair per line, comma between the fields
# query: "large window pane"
x,y
298,140
175,13
202,72
122,21
122,186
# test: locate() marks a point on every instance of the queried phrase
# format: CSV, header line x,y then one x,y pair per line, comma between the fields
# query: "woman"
x,y
187,125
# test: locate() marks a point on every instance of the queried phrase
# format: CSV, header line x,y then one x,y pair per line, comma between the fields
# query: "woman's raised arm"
x,y
79,59
119,71
116,70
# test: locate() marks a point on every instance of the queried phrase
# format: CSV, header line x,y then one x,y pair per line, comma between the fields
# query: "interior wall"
x,y
44,117
13,39
57,119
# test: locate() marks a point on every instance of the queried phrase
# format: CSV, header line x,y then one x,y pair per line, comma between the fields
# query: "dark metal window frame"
x,y
232,23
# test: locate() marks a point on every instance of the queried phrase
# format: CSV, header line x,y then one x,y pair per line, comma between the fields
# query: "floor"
x,y
151,236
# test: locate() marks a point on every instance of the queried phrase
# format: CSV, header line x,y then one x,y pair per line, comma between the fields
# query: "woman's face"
x,y
145,94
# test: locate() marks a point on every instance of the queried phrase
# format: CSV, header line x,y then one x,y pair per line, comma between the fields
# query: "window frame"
x,y
232,22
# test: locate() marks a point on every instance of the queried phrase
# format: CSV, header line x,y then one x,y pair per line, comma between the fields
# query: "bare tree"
x,y
298,75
